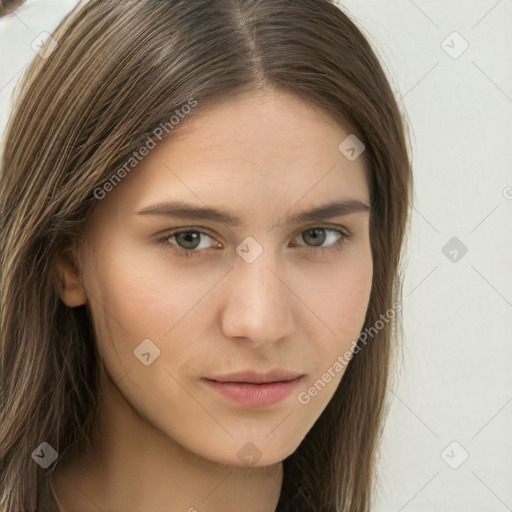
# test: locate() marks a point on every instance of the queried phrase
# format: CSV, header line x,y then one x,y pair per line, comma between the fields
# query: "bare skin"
x,y
167,440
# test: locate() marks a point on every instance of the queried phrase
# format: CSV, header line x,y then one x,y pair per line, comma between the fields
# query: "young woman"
x,y
203,208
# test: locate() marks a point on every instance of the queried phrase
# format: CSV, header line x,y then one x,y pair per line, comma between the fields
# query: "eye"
x,y
317,236
188,242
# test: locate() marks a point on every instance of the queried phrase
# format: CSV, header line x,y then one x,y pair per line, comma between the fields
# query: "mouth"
x,y
251,389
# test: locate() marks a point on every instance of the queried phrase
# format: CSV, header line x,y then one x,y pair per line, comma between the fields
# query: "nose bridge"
x,y
259,305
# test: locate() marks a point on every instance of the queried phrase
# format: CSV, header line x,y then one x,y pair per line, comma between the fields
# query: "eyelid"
x,y
187,229
207,231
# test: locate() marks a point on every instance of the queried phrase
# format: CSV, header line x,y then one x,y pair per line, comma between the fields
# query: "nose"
x,y
259,304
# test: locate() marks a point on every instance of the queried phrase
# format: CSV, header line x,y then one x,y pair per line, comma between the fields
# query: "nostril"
x,y
9,6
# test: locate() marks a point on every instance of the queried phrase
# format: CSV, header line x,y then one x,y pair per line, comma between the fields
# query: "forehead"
x,y
256,152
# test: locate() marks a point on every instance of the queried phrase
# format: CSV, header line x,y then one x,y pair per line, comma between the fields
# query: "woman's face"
x,y
268,297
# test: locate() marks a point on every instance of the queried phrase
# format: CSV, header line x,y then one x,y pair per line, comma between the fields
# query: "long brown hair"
x,y
118,71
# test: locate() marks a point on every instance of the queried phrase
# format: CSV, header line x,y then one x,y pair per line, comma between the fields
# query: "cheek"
x,y
127,303
349,296
141,295
339,297
134,297
341,300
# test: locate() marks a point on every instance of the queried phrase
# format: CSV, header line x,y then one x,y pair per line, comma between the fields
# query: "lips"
x,y
251,389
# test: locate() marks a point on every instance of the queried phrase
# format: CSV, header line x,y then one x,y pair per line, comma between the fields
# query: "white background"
x,y
455,383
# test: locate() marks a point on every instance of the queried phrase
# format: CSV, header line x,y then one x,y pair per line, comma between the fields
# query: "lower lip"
x,y
256,395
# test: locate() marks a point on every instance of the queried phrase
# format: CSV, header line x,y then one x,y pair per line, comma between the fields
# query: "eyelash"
x,y
346,235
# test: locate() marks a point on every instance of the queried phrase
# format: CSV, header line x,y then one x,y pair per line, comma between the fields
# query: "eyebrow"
x,y
184,210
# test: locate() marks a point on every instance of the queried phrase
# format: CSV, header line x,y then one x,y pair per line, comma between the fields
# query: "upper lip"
x,y
252,377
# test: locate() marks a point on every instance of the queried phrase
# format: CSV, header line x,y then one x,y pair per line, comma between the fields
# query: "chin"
x,y
256,453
